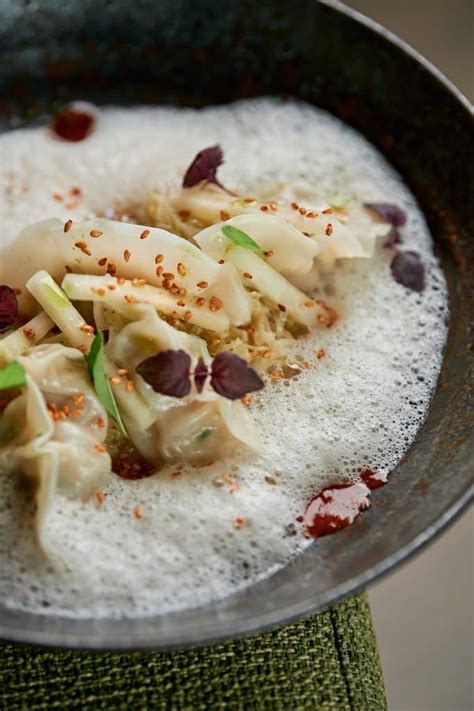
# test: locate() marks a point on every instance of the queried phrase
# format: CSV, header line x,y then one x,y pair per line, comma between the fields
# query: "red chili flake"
x,y
72,124
8,308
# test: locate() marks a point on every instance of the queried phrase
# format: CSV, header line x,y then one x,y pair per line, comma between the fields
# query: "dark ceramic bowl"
x,y
196,52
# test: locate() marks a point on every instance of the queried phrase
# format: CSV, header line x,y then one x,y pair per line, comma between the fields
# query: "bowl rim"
x,y
264,622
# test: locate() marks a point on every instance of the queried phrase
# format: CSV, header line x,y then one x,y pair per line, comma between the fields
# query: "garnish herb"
x,y
408,270
96,367
13,375
169,373
8,308
204,167
388,212
241,239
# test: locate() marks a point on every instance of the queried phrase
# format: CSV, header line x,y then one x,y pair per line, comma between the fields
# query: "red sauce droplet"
x,y
374,480
335,507
72,125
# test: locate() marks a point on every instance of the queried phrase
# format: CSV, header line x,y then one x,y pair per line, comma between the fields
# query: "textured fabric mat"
x,y
329,661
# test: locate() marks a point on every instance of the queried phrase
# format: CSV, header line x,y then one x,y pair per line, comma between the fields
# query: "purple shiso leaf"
x,y
389,213
204,167
200,375
232,378
168,373
393,238
408,270
8,308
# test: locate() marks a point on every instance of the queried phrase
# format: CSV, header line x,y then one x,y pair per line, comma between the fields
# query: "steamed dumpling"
x,y
125,250
57,429
199,427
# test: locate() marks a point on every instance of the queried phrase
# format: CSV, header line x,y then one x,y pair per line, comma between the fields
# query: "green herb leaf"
x,y
242,239
96,368
12,375
203,434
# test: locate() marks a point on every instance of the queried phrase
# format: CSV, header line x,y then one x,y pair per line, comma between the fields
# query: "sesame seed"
x,y
145,234
329,230
221,261
328,211
137,512
159,258
187,315
130,299
202,284
282,307
67,225
247,275
101,447
200,301
126,255
181,269
100,496
215,304
224,215
96,233
264,208
159,271
100,422
83,247
115,380
87,329
102,262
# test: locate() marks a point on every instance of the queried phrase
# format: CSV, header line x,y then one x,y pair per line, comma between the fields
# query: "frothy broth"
x,y
206,533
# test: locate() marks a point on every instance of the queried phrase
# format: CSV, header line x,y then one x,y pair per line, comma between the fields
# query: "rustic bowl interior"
x,y
198,52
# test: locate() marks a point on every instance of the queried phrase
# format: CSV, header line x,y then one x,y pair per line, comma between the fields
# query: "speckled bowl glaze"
x,y
196,52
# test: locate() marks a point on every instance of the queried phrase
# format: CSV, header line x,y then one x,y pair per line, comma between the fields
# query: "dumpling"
x,y
103,246
58,428
199,427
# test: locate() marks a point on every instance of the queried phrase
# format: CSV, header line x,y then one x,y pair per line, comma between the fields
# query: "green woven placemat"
x,y
329,661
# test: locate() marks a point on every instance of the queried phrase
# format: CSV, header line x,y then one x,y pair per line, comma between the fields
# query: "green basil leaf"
x,y
103,389
242,239
13,375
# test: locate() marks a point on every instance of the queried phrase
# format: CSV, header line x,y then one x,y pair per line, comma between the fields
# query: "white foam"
x,y
360,406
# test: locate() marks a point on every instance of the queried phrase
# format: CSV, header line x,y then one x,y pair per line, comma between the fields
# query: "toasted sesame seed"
x,y
187,315
145,234
215,304
120,280
320,354
282,307
137,512
295,206
200,301
224,215
67,225
102,262
221,261
129,386
181,269
100,496
111,269
269,253
115,380
159,258
100,422
329,230
101,447
247,275
130,299
264,208
96,233
126,255
83,247
328,211
159,271
202,284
